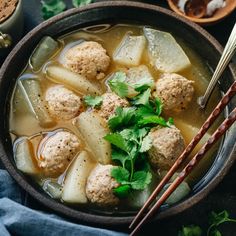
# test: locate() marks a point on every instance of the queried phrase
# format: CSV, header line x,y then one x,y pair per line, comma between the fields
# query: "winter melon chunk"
x,y
165,53
130,50
76,178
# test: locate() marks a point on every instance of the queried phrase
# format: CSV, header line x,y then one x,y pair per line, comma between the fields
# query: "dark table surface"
x,y
223,197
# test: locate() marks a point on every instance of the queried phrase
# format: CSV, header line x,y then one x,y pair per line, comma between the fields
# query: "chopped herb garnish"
x,y
118,84
130,137
52,7
93,101
142,98
122,191
122,118
143,84
191,230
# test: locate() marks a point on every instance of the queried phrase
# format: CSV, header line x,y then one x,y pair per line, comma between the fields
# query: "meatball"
x,y
167,145
109,104
174,91
88,59
100,185
57,151
63,104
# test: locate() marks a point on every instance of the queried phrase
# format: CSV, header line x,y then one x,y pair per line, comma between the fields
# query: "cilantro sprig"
x,y
53,7
215,220
130,137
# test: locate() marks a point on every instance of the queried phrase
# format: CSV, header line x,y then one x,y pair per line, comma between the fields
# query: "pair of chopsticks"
x,y
138,221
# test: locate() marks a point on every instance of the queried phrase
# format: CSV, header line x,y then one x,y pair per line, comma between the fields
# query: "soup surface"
x,y
91,115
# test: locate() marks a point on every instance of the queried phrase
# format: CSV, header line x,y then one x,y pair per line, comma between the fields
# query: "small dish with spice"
x,y
205,12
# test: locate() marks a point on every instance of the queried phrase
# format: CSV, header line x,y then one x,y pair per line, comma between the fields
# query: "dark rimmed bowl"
x,y
114,12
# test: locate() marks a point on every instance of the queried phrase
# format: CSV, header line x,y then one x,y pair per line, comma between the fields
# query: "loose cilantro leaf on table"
x,y
191,230
93,101
80,3
215,220
52,7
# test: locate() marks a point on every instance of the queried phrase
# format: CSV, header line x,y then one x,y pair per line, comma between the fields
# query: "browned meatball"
x,y
109,104
100,185
63,104
175,91
89,59
57,152
167,145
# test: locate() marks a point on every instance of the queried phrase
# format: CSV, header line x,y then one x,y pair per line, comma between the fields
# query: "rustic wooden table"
x,y
223,197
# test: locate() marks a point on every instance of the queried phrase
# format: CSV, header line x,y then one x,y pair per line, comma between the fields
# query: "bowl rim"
x,y
90,218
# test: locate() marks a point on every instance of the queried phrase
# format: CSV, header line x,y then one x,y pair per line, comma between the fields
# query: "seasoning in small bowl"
x,y
203,12
7,7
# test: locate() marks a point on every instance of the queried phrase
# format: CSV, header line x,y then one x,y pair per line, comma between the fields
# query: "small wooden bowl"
x,y
218,15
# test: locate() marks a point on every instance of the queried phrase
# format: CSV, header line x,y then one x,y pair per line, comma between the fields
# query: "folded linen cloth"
x,y
17,219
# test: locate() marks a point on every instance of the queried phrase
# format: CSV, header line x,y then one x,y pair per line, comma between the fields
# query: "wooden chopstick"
x,y
215,113
188,168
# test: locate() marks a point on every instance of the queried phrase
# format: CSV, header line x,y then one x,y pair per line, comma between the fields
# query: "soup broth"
x,y
25,125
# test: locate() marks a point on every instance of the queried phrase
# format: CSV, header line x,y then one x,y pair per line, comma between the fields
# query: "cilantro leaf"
x,y
117,140
80,3
52,7
120,156
122,191
144,111
118,85
93,101
191,230
170,122
215,232
143,84
120,174
123,117
143,98
158,105
146,144
157,120
140,180
218,218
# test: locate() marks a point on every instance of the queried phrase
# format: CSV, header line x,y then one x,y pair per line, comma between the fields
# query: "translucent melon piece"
x,y
138,74
165,53
93,129
130,50
45,50
24,157
76,178
31,88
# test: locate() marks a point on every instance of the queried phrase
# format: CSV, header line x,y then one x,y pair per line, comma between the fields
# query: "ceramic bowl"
x,y
114,12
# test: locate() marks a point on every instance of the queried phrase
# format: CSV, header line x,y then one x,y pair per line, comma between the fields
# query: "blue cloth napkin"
x,y
17,219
